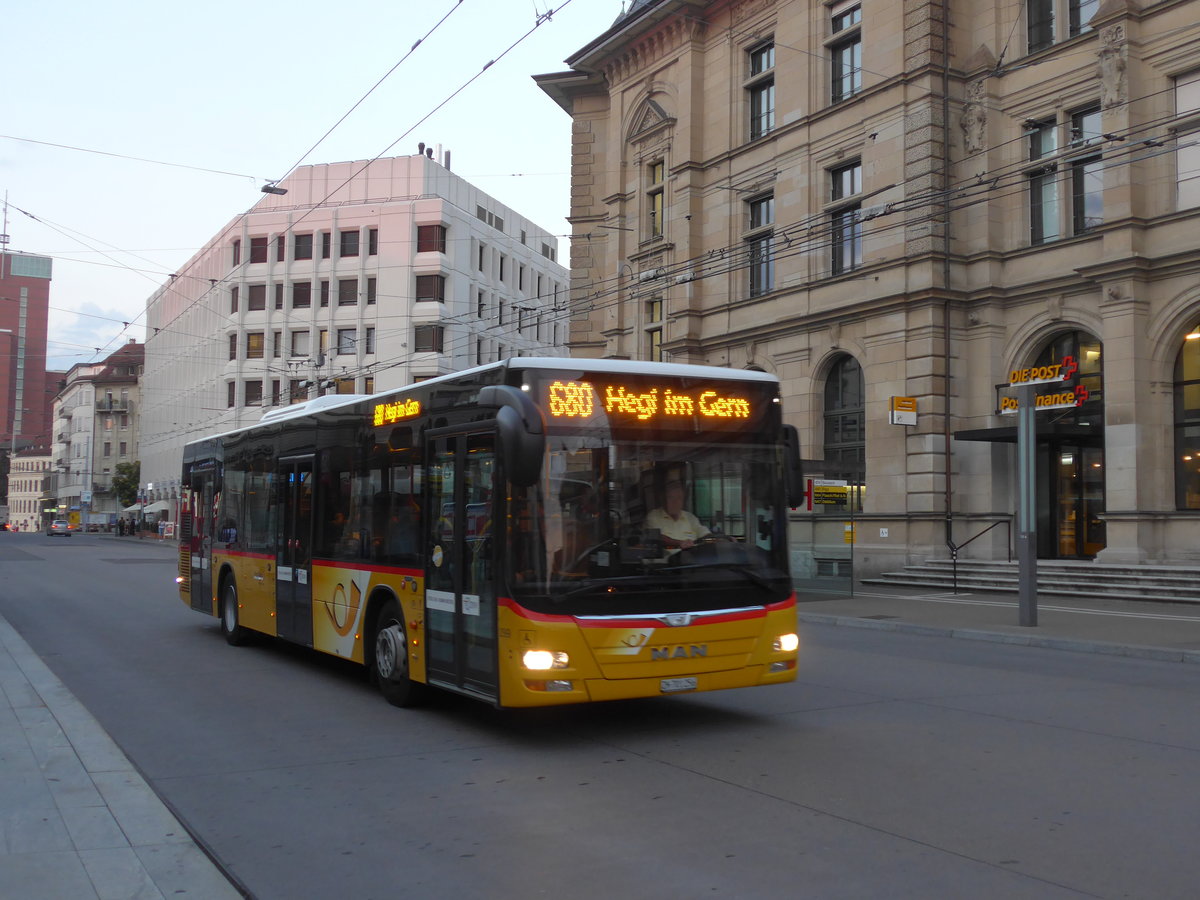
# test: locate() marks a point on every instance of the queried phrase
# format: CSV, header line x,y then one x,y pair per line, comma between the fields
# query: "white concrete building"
x,y
95,429
28,481
353,277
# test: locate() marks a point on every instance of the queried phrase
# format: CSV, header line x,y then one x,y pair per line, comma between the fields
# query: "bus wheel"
x,y
234,633
391,658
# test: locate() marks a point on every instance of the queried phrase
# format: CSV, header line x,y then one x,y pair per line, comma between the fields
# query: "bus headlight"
x,y
786,643
541,660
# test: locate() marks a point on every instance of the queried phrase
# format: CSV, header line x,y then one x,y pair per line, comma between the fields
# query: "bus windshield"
x,y
624,526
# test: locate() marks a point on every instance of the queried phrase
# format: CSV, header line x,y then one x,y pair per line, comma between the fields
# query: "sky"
x,y
234,94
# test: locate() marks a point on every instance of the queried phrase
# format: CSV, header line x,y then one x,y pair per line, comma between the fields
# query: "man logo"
x,y
681,652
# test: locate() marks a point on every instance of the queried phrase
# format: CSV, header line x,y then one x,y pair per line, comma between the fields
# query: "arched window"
x,y
1187,423
845,424
1087,352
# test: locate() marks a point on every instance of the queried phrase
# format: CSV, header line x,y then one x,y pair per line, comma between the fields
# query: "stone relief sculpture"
x,y
1114,87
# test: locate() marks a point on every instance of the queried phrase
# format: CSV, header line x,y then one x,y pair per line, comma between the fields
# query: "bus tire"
x,y
389,662
231,627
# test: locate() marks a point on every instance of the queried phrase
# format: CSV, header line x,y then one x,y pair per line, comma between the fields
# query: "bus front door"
x,y
293,550
460,596
204,504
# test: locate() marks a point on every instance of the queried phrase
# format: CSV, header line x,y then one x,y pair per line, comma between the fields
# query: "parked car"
x,y
59,526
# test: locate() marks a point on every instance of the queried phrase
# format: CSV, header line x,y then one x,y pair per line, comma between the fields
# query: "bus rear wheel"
x,y
234,633
390,663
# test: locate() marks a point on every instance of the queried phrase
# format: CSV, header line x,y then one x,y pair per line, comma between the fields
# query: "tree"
x,y
125,482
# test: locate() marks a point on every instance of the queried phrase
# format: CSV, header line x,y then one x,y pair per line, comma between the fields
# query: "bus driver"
x,y
680,529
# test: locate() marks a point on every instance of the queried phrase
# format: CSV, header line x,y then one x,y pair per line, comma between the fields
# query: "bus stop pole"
x,y
1026,505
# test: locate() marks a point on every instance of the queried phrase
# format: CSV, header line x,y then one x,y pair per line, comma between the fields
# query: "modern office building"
x,y
95,429
902,209
353,277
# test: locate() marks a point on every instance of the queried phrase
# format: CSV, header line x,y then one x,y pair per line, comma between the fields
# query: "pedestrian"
x,y
120,528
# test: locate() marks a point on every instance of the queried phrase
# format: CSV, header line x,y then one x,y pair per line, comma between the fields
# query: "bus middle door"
x,y
460,597
293,550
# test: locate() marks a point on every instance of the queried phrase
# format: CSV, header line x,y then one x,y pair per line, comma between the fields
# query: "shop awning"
x,y
157,506
1007,434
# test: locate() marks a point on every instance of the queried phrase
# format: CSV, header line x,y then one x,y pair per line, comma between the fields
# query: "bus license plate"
x,y
674,685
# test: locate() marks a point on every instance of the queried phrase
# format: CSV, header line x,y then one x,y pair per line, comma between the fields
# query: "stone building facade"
x,y
900,205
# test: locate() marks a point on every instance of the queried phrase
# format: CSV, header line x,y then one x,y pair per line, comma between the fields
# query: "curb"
x,y
1136,651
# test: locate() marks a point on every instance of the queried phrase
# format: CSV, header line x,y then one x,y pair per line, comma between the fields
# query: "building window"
x,y
845,51
258,249
1187,422
275,392
431,288
324,293
255,344
108,448
369,343
1042,15
231,394
369,384
431,239
301,294
1067,175
302,246
297,390
233,299
300,344
845,225
237,253
124,448
347,292
326,244
343,385
276,344
372,242
1187,156
233,345
256,300
371,288
760,88
760,245
654,198
654,329
348,243
279,295
1087,171
280,248
347,338
427,338
254,393
322,342
845,427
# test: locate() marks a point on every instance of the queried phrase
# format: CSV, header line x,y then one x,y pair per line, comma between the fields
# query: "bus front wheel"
x,y
391,658
234,633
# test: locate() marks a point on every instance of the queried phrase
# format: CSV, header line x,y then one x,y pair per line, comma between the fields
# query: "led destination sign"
x,y
397,411
580,400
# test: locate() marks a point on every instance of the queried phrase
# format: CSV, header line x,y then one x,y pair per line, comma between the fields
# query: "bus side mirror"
x,y
793,472
519,430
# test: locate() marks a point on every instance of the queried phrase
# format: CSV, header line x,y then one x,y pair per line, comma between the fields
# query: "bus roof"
x,y
614,366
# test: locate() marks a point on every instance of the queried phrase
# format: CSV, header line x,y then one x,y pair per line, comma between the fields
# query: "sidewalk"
x,y
76,819
1163,631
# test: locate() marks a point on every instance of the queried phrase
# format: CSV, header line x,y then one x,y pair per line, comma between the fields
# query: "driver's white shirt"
x,y
685,528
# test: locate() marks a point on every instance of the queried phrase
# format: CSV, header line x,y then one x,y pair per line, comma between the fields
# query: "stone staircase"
x,y
1075,578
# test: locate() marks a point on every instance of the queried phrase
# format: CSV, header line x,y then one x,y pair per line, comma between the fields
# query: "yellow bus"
x,y
511,532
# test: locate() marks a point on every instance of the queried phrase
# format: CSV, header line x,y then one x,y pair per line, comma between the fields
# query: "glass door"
x,y
293,550
1072,495
460,599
